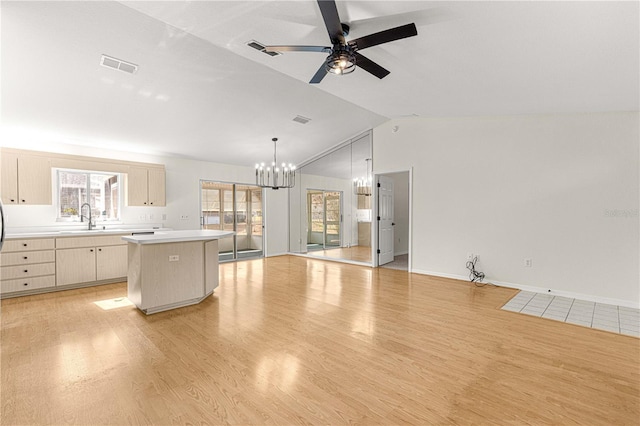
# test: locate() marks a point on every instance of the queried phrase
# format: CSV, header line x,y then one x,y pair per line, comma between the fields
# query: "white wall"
x,y
562,190
182,192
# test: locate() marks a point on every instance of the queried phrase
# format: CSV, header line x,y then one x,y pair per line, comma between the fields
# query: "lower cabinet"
x,y
111,262
75,266
83,265
43,264
26,265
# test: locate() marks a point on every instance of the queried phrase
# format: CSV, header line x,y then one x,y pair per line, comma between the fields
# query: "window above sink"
x,y
102,190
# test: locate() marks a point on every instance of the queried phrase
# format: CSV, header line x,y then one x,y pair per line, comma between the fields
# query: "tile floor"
x,y
617,319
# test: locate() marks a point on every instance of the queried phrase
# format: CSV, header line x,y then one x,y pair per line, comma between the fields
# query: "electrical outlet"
x,y
527,263
164,216
174,258
151,216
469,256
184,217
143,217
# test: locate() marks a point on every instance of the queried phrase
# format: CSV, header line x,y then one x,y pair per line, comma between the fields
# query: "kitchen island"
x,y
172,269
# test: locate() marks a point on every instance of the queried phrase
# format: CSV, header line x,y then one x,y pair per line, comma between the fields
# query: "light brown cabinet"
x,y
26,179
43,264
111,262
146,186
75,266
90,259
27,264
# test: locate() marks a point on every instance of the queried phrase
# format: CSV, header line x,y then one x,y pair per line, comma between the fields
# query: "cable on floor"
x,y
475,276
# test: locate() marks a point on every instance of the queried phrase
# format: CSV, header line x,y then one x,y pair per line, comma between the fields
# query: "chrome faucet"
x,y
82,217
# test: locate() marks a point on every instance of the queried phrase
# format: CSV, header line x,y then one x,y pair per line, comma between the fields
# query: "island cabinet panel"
x,y
211,275
162,276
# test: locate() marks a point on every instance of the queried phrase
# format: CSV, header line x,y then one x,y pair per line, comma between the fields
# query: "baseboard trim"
x,y
535,289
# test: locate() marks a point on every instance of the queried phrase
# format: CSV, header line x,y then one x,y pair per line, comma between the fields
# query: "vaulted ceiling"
x,y
201,92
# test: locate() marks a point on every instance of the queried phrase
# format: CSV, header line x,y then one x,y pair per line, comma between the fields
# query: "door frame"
x,y
374,229
234,184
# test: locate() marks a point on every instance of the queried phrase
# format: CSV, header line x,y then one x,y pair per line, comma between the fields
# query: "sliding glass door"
x,y
233,207
325,219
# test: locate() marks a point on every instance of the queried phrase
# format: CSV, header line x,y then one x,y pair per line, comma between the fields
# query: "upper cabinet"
x,y
146,186
26,176
26,179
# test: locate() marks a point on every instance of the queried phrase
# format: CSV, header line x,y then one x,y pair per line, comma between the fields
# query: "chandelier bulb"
x,y
276,177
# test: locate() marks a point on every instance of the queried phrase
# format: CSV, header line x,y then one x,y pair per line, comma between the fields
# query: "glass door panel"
x,y
332,209
233,207
325,219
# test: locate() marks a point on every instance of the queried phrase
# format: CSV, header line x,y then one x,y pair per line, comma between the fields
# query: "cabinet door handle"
x,y
13,200
99,249
91,250
26,284
26,270
25,258
24,245
24,201
150,203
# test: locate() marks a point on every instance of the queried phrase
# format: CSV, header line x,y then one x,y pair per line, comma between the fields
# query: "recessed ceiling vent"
x,y
117,64
302,120
260,47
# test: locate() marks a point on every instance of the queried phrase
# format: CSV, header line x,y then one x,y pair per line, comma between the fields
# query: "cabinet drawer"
x,y
13,272
11,286
26,258
28,244
77,242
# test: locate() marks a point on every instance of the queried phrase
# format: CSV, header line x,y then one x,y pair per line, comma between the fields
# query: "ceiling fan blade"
x,y
385,36
370,66
323,49
319,75
331,20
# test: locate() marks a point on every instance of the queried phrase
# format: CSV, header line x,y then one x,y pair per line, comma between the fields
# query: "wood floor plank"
x,y
293,340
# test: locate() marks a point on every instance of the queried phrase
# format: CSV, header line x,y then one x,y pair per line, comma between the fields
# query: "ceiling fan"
x,y
344,55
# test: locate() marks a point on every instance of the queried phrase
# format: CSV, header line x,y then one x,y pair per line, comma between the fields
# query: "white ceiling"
x,y
200,92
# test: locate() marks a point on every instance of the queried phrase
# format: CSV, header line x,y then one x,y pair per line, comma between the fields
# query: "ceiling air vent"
x,y
117,64
260,47
302,120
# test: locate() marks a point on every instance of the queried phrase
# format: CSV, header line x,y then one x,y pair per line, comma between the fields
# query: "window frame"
x,y
77,218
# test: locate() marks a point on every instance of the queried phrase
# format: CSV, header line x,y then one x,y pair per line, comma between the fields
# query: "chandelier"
x,y
362,185
341,61
275,177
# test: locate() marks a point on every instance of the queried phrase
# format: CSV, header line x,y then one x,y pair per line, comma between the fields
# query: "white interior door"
x,y
385,220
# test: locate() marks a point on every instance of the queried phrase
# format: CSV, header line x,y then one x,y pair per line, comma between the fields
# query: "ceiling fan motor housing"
x,y
342,60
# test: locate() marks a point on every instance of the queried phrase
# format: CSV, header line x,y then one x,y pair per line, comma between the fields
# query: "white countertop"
x,y
79,233
178,236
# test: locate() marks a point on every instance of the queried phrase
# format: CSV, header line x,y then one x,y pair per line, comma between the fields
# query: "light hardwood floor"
x,y
292,340
355,253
